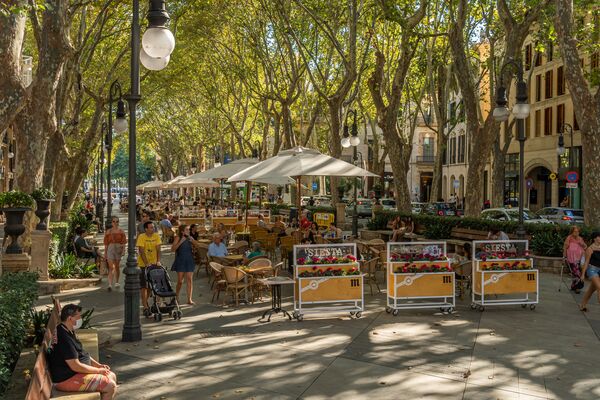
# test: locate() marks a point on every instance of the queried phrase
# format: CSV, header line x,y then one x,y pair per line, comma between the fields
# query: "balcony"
x,y
425,159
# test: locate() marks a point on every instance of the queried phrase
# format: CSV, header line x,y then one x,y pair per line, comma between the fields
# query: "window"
x,y
461,149
575,123
528,56
594,61
560,81
452,111
560,116
548,121
538,87
549,79
538,123
528,126
538,59
549,51
428,148
453,150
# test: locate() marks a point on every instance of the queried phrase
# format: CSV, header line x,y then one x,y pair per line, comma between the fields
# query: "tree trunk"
x,y
335,145
498,176
436,182
13,95
587,110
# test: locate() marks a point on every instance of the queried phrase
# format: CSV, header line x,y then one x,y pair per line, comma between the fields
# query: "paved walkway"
x,y
224,353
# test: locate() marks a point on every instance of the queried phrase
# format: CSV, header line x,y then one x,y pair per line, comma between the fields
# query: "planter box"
x,y
330,288
506,282
427,284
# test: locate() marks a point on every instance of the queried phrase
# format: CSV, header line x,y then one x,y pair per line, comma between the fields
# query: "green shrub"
x,y
39,320
15,198
17,294
43,194
68,266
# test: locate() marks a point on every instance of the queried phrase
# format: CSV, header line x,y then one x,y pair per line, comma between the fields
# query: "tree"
x,y
585,103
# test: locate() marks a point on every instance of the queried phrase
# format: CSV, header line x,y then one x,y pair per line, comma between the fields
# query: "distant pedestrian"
x,y
573,250
114,243
591,270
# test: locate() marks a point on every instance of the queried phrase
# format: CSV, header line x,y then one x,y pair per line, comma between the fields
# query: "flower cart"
x,y
227,217
328,280
503,274
419,275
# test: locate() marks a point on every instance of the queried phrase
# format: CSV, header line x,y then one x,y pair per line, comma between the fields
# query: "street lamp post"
x,y
99,201
566,128
119,126
353,141
520,111
158,43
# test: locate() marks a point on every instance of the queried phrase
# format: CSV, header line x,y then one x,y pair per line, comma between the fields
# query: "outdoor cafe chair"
x,y
238,282
463,274
219,284
200,252
369,268
270,244
238,247
259,261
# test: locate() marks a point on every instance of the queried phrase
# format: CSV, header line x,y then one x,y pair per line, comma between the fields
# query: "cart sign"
x,y
572,176
500,249
320,254
572,185
404,250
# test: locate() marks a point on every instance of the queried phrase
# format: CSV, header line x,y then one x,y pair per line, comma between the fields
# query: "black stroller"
x,y
163,295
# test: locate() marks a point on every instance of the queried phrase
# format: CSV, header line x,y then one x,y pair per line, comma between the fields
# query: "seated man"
x,y
256,252
261,222
83,249
73,369
217,248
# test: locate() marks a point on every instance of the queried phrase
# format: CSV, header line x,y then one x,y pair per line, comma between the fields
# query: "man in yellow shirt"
x,y
148,244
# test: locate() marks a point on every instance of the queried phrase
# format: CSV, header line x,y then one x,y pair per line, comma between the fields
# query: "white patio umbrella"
x,y
298,162
225,171
153,185
195,181
171,184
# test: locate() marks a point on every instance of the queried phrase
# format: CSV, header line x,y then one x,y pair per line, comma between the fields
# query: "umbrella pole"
x,y
298,196
247,202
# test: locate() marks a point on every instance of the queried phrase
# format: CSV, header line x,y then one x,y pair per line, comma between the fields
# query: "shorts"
x,y
143,281
88,383
592,271
114,252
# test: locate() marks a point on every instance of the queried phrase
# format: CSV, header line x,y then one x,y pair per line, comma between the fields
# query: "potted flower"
x,y
14,204
43,197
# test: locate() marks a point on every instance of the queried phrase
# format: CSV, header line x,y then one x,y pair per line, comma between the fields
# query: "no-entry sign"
x,y
572,176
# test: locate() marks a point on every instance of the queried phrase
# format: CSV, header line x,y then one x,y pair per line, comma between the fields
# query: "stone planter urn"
x,y
42,212
14,227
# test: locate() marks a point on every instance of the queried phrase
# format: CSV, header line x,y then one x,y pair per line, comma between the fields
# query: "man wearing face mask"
x,y
72,368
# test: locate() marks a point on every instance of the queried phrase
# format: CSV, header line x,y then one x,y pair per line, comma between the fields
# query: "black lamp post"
x,y
158,43
520,111
119,126
566,128
100,200
353,141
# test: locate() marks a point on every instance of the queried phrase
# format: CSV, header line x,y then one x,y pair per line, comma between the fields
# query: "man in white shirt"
x,y
217,248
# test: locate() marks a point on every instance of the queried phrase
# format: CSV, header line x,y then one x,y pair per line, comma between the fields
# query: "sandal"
x,y
583,308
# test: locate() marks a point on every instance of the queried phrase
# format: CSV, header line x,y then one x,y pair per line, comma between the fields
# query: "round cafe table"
x,y
276,282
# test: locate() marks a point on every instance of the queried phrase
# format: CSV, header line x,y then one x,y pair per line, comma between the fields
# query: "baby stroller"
x,y
160,285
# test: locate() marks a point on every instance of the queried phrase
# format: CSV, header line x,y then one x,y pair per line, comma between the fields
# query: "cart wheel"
x,y
300,317
388,310
450,310
352,313
358,314
481,308
473,306
174,314
295,315
179,314
532,307
523,305
395,312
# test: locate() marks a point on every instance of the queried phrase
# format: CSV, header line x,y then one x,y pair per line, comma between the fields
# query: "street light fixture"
x,y
154,44
520,111
119,125
353,141
100,200
566,128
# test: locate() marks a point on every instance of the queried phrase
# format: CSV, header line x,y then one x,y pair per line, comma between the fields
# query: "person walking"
x,y
591,270
184,263
573,250
148,244
114,243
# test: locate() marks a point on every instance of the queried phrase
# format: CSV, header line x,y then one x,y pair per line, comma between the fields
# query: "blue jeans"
x,y
592,271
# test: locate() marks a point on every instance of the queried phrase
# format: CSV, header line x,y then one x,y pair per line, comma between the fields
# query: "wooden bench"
x,y
41,387
460,236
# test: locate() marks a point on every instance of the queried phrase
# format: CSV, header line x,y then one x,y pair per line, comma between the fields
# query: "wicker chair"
x,y
286,246
238,282
219,284
200,251
259,261
369,268
269,244
238,247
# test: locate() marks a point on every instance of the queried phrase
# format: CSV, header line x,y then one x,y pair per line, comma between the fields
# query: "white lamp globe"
x,y
120,125
560,150
500,114
354,140
346,142
158,42
152,63
521,110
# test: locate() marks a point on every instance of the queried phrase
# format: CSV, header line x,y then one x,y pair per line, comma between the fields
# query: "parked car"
x,y
441,209
418,208
512,214
562,215
388,204
364,208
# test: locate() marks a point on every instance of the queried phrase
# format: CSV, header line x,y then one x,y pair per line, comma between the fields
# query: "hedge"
x,y
17,294
545,239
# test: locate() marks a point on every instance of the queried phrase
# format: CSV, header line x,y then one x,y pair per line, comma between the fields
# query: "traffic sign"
x,y
529,183
552,176
315,186
572,176
572,185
